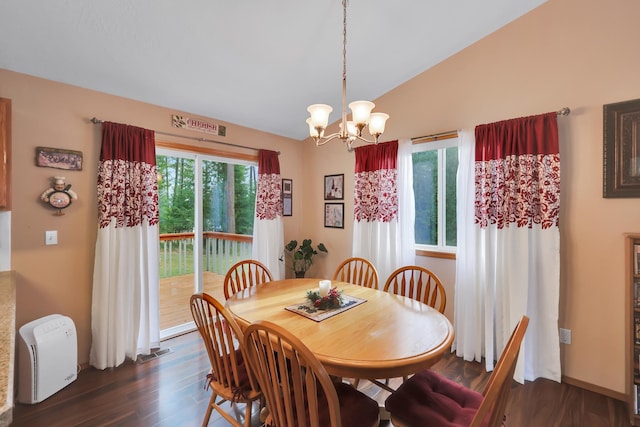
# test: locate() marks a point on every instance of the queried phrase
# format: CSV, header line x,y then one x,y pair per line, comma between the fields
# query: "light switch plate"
x,y
51,237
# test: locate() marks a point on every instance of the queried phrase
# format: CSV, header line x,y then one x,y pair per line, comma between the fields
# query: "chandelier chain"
x,y
349,131
343,133
344,40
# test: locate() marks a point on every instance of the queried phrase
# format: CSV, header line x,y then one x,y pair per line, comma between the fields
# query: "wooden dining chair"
x,y
230,378
245,274
297,389
358,271
428,398
419,284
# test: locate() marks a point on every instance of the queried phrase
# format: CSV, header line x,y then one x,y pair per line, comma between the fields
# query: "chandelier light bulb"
x,y
313,132
319,115
377,122
351,135
351,128
360,111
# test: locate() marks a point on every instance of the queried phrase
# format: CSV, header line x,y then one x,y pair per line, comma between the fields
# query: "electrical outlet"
x,y
565,336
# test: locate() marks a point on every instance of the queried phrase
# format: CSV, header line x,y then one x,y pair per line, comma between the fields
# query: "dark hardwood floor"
x,y
169,391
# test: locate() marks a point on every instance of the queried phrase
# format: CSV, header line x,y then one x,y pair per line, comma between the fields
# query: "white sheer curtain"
x,y
508,261
124,309
383,206
268,230
406,204
469,295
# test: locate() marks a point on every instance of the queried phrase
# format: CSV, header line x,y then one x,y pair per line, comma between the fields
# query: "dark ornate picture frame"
x,y
58,158
621,175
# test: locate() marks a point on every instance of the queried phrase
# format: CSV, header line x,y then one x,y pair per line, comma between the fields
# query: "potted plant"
x,y
302,256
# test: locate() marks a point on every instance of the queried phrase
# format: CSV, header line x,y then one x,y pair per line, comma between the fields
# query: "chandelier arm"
x,y
363,139
325,139
349,144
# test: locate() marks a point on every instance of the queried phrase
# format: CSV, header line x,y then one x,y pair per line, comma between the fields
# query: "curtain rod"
x,y
437,136
195,138
452,134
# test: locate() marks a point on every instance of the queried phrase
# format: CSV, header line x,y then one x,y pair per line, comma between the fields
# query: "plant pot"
x,y
299,274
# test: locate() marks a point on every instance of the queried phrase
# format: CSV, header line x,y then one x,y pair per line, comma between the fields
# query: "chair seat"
x,y
431,399
230,376
428,398
356,408
243,392
302,393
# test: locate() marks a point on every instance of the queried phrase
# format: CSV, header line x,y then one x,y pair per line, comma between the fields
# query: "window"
x,y
435,165
207,205
228,193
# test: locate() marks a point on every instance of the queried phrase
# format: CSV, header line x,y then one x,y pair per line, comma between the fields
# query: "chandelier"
x,y
362,117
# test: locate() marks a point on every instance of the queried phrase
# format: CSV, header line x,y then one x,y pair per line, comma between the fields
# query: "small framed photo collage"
x,y
334,190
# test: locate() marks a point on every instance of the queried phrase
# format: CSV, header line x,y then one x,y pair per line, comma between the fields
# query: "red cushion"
x,y
241,392
356,408
428,398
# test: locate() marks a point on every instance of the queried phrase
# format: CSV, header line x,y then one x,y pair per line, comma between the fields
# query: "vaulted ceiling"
x,y
256,63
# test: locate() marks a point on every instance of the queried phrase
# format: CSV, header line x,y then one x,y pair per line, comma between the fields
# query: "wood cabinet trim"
x,y
5,154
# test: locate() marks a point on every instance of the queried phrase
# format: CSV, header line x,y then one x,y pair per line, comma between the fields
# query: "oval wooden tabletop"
x,y
388,336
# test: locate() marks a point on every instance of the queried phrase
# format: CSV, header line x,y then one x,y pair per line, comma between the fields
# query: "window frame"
x,y
198,155
439,143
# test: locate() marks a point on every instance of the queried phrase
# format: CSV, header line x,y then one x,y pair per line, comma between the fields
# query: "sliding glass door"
x,y
207,207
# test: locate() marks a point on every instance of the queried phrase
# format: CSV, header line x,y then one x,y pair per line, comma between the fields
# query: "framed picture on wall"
x,y
287,186
622,149
334,215
58,158
287,206
287,197
334,187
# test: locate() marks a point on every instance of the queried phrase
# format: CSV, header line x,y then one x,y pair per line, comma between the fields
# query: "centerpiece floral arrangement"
x,y
332,300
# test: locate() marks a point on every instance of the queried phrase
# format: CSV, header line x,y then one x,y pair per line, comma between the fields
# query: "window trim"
x,y
429,143
435,254
207,151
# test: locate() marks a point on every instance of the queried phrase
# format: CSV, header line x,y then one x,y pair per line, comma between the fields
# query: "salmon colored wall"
x,y
575,53
58,279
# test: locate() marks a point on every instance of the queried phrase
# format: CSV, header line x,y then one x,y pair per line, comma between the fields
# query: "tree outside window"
x,y
435,165
228,195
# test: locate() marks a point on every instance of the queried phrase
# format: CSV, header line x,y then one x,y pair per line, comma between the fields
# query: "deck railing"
x,y
220,252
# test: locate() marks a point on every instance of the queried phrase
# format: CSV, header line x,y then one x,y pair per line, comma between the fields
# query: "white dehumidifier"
x,y
47,357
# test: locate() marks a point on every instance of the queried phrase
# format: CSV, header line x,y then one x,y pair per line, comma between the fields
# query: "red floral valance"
x,y
517,172
376,189
127,176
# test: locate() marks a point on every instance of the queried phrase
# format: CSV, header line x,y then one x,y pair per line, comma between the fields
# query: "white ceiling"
x,y
256,63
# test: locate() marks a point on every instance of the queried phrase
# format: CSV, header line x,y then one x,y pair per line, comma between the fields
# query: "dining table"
x,y
383,335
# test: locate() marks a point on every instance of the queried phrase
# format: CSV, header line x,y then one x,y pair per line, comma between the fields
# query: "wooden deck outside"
x,y
175,293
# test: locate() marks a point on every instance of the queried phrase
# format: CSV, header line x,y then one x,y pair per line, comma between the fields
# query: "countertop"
x,y
7,344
